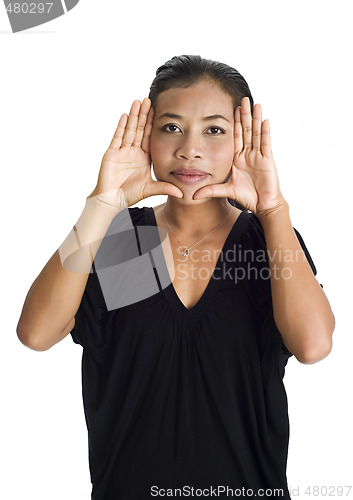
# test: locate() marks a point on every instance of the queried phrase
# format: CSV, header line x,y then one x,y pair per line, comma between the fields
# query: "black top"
x,y
178,397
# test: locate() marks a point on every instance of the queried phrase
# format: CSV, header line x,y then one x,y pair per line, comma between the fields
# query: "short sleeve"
x,y
259,289
88,329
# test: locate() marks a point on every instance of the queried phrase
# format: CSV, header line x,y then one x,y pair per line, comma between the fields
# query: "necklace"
x,y
186,250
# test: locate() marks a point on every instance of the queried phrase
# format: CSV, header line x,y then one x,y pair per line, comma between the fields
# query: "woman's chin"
x,y
188,190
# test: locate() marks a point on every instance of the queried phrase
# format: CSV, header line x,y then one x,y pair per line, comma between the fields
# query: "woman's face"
x,y
193,129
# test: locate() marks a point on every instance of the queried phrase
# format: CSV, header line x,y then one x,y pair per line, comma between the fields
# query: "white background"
x,y
64,86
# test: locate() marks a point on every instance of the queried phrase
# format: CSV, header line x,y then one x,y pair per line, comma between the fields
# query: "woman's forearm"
x,y
301,310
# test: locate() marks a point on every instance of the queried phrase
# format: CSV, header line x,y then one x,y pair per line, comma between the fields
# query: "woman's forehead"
x,y
204,98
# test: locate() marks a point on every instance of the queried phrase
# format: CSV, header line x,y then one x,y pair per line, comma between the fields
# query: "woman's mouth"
x,y
190,175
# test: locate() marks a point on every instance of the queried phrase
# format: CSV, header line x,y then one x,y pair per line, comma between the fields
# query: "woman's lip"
x,y
190,179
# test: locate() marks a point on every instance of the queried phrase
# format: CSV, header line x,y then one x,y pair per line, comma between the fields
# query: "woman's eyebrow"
x,y
206,118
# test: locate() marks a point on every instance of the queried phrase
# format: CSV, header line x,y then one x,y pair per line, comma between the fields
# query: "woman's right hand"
x,y
125,173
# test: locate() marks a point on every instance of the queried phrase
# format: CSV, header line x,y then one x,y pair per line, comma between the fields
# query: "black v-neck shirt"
x,y
176,397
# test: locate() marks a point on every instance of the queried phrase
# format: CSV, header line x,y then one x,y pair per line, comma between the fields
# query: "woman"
x,y
182,371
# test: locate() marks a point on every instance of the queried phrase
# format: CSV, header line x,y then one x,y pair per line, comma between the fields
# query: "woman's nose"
x,y
189,148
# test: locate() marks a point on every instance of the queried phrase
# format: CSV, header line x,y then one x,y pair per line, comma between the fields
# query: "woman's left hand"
x,y
254,182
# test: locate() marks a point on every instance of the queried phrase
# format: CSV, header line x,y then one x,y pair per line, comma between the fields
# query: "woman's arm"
x,y
301,310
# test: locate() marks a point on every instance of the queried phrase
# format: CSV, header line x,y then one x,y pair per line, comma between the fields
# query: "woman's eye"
x,y
216,130
170,128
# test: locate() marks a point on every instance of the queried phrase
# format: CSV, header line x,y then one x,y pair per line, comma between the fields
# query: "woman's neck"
x,y
198,217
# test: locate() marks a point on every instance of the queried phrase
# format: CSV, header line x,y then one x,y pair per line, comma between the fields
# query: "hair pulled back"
x,y
185,70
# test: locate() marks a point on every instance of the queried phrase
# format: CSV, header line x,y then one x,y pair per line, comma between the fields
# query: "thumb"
x,y
154,188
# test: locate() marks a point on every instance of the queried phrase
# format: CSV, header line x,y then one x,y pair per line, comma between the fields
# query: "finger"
x,y
214,191
246,121
119,132
256,127
131,126
142,119
154,188
266,138
238,132
147,133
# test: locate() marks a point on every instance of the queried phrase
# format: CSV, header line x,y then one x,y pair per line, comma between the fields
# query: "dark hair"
x,y
185,70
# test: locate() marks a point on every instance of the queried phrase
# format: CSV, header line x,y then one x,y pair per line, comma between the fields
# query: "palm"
x,y
125,174
254,182
127,167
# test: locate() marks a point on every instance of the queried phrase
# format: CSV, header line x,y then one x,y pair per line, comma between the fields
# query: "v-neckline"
x,y
188,316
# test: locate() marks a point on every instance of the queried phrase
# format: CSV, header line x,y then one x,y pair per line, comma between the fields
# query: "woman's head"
x,y
194,100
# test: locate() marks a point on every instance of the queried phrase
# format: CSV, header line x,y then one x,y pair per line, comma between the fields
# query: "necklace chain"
x,y
186,250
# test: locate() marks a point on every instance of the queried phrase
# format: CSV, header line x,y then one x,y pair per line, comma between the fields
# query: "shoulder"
x,y
252,233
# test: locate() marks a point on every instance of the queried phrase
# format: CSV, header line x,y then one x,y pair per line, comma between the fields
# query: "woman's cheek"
x,y
157,144
224,153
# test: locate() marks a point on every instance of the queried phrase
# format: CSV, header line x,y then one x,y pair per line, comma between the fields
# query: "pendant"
x,y
185,252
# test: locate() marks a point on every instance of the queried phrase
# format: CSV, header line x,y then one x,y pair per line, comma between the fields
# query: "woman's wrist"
x,y
111,202
78,250
279,210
